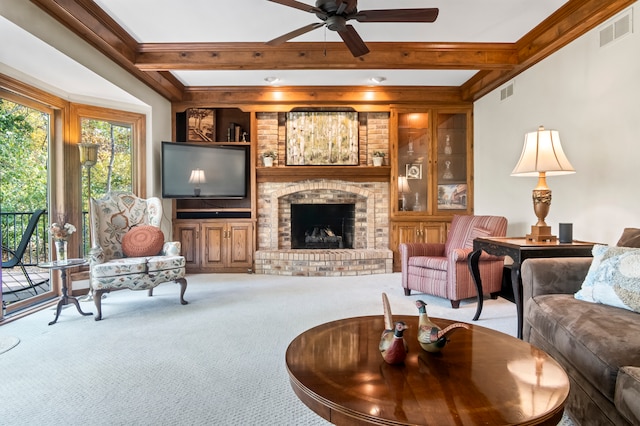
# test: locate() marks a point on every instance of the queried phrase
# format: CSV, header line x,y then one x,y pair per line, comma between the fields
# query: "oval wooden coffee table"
x,y
480,377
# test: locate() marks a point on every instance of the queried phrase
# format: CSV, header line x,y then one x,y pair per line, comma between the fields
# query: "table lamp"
x,y
197,177
542,156
403,188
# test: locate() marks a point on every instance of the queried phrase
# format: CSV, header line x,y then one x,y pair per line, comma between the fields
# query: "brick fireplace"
x,y
370,240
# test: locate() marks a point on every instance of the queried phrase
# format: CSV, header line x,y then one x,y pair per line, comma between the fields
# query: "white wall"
x,y
157,109
591,95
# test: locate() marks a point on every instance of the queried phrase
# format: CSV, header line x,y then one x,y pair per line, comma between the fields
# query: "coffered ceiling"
x,y
474,45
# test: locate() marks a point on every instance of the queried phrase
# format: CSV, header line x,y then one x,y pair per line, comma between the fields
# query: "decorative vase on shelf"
x,y
448,150
447,172
416,205
268,161
61,251
377,161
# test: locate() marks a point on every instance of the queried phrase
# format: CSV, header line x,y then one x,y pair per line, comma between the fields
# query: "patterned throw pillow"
x,y
613,278
142,240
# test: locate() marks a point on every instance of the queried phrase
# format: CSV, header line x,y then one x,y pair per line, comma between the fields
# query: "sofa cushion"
x,y
630,238
430,262
116,267
613,278
588,335
142,240
627,397
161,263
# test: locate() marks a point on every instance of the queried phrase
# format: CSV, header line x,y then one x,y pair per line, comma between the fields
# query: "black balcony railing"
x,y
13,226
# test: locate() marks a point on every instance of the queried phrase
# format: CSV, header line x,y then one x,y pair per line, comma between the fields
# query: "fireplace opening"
x,y
322,226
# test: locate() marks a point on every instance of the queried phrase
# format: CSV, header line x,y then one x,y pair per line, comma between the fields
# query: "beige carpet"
x,y
217,361
8,342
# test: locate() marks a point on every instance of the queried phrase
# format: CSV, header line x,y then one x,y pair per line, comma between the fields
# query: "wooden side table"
x,y
519,249
65,299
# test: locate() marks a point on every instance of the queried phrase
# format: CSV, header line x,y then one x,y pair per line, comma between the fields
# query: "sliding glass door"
x,y
25,137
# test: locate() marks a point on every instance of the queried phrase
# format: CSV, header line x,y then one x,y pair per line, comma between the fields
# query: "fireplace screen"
x,y
322,226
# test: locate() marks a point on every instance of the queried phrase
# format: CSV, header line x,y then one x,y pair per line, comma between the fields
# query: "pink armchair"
x,y
441,269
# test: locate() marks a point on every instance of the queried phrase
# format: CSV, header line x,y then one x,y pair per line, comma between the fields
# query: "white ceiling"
x,y
151,21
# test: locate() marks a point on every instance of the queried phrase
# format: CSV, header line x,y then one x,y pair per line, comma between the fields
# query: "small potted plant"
x,y
268,157
378,158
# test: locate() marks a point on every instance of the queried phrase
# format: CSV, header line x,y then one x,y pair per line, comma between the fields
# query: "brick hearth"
x,y
370,255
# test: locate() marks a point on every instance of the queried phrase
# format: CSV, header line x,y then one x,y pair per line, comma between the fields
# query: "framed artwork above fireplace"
x,y
322,138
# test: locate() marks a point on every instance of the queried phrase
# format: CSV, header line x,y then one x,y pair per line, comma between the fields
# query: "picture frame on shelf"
x,y
322,138
413,170
201,125
452,197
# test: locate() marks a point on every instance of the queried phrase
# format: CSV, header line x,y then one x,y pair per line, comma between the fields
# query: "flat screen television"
x,y
204,171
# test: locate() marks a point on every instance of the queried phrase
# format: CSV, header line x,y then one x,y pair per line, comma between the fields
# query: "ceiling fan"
x,y
335,14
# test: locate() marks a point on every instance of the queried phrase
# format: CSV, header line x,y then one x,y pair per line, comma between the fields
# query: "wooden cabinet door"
x,y
414,232
403,232
433,232
407,232
213,242
187,235
239,245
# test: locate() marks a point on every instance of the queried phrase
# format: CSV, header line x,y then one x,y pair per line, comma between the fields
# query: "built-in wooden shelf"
x,y
297,173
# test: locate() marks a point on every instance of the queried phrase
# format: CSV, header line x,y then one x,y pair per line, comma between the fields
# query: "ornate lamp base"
x,y
541,203
541,234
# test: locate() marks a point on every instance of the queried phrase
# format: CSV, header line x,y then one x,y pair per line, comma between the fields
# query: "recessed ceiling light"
x,y
378,80
272,80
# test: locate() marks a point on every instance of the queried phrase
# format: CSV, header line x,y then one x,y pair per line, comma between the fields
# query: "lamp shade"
x,y
197,176
403,184
542,152
88,153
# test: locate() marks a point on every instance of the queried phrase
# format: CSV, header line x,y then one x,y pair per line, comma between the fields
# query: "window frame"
x,y
65,171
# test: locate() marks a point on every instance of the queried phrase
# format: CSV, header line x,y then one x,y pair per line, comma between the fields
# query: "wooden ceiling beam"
x,y
330,56
276,98
95,26
572,20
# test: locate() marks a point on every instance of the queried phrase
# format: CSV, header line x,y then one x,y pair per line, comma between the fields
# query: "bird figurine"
x,y
392,346
431,337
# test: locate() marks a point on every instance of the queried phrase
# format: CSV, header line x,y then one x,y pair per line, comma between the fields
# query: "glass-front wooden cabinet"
x,y
453,154
412,160
432,164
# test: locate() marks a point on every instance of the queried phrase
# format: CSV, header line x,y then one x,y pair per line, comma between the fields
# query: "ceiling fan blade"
x,y
295,33
299,5
353,41
397,15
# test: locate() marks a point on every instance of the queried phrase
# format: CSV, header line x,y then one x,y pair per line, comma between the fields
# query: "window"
x,y
120,159
25,136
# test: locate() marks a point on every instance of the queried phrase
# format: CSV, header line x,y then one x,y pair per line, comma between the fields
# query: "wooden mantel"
x,y
298,173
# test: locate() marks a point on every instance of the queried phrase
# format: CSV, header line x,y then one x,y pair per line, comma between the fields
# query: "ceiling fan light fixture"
x,y
378,80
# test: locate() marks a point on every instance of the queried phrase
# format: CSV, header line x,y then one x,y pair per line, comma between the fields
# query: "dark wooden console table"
x,y
519,249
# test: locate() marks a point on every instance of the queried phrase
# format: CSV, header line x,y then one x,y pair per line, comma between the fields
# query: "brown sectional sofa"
x,y
598,345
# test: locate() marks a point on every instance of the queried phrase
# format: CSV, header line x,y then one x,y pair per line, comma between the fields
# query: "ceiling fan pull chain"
x,y
325,41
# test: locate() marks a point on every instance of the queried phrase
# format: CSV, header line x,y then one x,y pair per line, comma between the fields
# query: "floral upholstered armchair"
x,y
128,248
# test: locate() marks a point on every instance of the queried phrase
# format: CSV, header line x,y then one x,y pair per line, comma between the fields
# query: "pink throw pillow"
x,y
142,240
